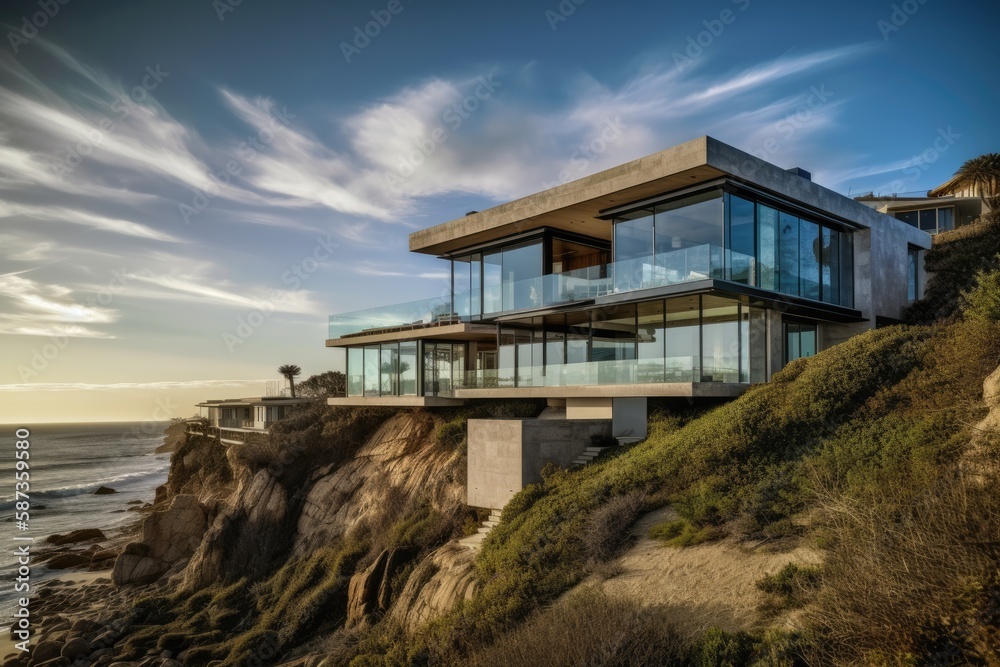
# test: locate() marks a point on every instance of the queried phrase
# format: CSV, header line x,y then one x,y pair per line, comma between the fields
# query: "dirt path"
x,y
709,585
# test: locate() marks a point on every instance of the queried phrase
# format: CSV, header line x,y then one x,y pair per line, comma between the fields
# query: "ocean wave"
x,y
7,501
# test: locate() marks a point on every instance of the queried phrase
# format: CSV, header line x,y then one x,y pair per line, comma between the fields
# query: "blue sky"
x,y
169,169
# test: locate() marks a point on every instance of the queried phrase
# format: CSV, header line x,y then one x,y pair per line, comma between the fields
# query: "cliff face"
x,y
386,508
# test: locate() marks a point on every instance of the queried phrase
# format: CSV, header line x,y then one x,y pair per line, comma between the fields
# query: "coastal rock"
x,y
258,508
135,566
104,555
68,560
74,648
44,651
168,536
371,590
104,490
437,584
72,537
362,591
401,454
174,533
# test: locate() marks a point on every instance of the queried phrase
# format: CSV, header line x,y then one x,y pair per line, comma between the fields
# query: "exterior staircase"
x,y
473,542
588,455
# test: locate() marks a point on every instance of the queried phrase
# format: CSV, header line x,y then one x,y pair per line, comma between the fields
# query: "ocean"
x,y
68,463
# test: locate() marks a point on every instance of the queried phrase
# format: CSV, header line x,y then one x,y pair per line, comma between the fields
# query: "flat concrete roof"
x,y
575,206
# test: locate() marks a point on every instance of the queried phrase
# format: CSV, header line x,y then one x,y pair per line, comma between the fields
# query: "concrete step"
x,y
474,541
588,455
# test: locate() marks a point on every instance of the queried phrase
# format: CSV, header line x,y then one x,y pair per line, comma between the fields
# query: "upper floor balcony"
x,y
675,267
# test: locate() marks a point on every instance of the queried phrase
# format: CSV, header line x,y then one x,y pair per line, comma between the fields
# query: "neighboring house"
x,y
944,208
236,417
693,272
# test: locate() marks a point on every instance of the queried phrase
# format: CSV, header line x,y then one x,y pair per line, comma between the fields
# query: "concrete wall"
x,y
505,455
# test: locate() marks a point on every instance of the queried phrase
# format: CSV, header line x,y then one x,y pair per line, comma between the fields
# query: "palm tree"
x,y
981,172
290,371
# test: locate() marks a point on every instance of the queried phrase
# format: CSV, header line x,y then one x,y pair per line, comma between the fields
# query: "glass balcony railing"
x,y
669,268
595,373
413,314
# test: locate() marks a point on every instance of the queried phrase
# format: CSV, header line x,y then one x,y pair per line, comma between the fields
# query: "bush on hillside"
x,y
983,301
589,628
954,261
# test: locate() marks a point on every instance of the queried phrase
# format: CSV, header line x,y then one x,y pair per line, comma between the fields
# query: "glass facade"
x,y
706,338
932,220
912,273
726,236
392,369
800,340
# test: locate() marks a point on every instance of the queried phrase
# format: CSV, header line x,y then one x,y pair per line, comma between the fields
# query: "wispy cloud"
x,y
32,308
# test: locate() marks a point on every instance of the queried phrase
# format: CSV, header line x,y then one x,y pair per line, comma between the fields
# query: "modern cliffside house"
x,y
946,207
250,413
693,272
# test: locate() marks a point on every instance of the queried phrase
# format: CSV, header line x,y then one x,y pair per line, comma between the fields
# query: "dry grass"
x,y
589,628
912,576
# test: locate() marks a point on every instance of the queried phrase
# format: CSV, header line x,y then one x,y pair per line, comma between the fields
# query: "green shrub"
x,y
791,585
983,301
683,533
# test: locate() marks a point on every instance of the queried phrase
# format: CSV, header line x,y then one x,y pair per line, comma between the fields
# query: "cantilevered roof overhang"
x,y
577,206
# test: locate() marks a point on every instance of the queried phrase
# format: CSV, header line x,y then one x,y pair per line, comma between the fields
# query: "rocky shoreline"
x,y
77,616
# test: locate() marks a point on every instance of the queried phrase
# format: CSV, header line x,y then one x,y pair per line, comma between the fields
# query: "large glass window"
x,y
522,270
372,378
800,340
408,368
355,371
492,282
720,342
687,232
461,286
931,220
389,370
767,247
683,340
809,252
912,273
830,265
741,240
651,338
788,274
633,247
572,256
